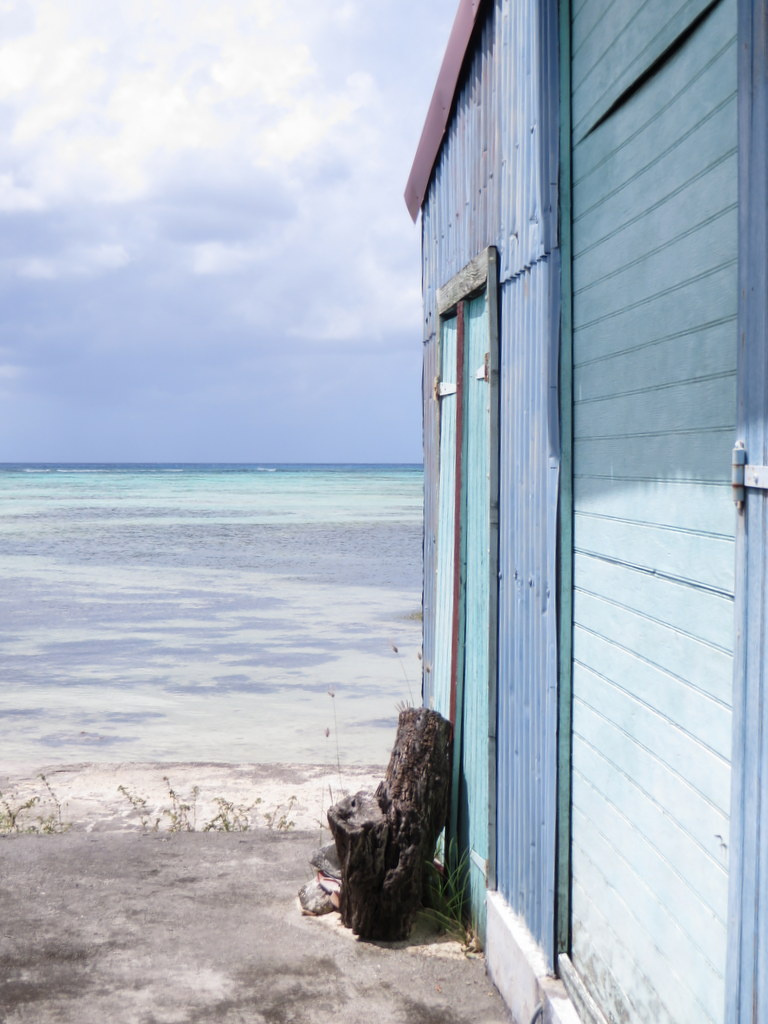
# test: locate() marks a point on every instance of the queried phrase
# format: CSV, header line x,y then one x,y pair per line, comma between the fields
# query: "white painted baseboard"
x,y
519,969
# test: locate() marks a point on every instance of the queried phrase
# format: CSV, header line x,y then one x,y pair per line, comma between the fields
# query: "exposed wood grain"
x,y
385,840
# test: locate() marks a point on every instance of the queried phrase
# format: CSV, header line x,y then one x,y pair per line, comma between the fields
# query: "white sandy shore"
x,y
90,798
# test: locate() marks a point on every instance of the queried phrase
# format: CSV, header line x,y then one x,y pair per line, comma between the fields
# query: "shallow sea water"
x,y
191,613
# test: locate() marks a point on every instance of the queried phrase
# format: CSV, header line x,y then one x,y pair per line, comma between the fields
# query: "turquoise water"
x,y
182,612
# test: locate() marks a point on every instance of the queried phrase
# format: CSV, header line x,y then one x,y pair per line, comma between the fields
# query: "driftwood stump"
x,y
385,839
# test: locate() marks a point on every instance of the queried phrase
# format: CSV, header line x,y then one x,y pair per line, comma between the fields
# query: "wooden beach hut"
x,y
591,180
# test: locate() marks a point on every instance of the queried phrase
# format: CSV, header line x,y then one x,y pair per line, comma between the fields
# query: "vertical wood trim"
x,y
457,547
493,561
747,972
565,502
457,661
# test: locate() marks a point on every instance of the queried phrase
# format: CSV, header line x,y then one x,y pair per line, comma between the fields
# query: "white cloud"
x,y
217,258
14,198
9,374
77,261
102,99
246,158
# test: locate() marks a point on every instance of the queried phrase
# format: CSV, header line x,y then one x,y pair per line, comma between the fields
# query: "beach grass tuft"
x,y
447,899
180,814
14,819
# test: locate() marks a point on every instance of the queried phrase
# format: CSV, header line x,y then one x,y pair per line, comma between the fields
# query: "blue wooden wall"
x,y
654,358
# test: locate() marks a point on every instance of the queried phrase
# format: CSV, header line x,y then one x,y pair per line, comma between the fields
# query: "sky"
x,y
204,250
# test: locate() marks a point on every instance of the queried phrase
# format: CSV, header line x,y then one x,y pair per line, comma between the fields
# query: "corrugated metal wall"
x,y
495,180
527,684
495,184
654,354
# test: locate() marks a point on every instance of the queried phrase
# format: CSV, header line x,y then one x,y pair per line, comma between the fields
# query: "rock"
x,y
326,859
314,900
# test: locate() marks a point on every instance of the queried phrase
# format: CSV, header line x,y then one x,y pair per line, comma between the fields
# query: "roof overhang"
x,y
440,108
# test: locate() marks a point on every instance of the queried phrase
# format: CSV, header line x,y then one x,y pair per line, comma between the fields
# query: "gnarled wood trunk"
x,y
385,839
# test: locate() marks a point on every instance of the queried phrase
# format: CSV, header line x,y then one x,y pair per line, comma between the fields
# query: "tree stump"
x,y
385,839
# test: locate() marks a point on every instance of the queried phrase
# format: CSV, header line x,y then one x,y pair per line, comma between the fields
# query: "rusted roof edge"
x,y
440,106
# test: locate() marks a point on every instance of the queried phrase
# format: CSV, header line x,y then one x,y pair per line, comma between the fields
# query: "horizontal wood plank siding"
x,y
654,353
613,44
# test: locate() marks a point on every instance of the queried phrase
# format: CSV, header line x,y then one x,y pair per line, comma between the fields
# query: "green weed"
x,y
181,815
140,803
447,895
396,650
13,815
279,819
231,817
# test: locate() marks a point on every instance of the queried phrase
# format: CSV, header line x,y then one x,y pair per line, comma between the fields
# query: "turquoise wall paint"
x,y
464,633
476,555
654,357
614,44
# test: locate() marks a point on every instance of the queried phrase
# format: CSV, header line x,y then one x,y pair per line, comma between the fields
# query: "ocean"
x,y
231,613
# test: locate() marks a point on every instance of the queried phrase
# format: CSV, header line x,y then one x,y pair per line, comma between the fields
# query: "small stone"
x,y
326,859
314,900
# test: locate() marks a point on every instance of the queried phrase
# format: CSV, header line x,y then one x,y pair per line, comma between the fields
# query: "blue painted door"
x,y
473,817
462,674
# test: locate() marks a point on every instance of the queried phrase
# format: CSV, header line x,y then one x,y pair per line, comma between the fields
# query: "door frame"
x,y
479,276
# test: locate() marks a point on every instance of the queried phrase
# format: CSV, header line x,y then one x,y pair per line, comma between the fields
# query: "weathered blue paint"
x,y
528,670
565,500
651,265
747,989
495,183
441,661
477,554
465,628
654,356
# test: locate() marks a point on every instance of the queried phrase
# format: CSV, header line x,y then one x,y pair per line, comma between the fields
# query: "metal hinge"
x,y
479,862
743,475
441,388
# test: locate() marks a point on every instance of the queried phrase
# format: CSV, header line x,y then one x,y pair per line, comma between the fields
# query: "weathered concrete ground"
x,y
125,927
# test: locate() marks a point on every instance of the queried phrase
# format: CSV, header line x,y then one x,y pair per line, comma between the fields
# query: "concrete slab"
x,y
126,927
